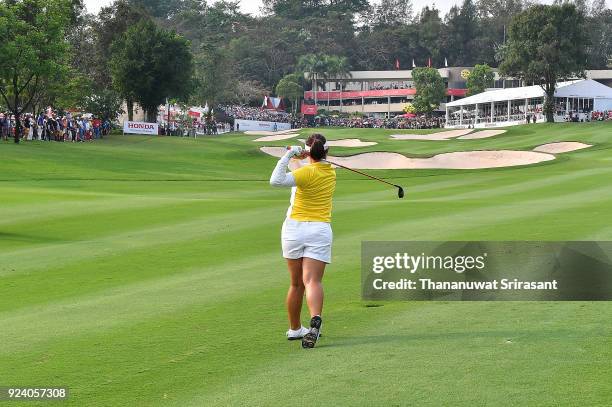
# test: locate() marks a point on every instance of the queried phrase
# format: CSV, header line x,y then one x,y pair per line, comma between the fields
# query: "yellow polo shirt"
x,y
313,197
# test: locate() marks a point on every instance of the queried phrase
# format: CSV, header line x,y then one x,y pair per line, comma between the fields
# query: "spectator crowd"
x,y
260,114
256,113
48,126
601,116
193,128
378,123
52,127
391,85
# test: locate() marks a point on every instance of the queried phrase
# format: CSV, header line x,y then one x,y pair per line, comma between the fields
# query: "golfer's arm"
x,y
280,177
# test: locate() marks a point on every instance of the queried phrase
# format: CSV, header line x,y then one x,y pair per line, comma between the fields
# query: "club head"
x,y
400,192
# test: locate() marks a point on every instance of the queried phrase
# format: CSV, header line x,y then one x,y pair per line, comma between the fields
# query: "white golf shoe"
x,y
293,335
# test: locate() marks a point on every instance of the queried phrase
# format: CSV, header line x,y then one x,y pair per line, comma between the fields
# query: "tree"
x,y
111,23
430,89
337,68
150,65
323,66
494,19
269,58
409,108
300,9
105,103
480,79
289,88
33,49
391,13
462,34
64,91
245,92
212,75
315,67
546,44
84,49
430,33
160,8
599,26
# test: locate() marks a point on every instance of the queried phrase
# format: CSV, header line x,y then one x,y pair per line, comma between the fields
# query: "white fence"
x,y
257,125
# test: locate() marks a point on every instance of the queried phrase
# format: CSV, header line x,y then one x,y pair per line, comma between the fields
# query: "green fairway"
x,y
141,271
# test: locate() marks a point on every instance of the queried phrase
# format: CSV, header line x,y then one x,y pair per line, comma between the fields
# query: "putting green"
x,y
147,271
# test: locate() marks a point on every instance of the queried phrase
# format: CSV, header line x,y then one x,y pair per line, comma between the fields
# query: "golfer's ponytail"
x,y
317,147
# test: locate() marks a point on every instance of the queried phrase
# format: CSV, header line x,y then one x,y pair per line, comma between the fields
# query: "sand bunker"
x,y
347,142
269,133
482,134
274,151
441,135
273,135
462,160
562,147
457,160
276,138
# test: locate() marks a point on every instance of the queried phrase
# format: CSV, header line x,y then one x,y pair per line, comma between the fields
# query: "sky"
x,y
252,6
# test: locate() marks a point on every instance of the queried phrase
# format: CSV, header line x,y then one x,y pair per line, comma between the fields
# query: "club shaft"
x,y
362,173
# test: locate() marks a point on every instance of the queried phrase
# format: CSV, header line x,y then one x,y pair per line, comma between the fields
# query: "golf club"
x,y
400,190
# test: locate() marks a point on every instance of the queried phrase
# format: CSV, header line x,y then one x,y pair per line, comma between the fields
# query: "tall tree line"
x,y
238,57
253,53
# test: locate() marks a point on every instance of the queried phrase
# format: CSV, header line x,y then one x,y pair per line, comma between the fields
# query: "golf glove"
x,y
296,150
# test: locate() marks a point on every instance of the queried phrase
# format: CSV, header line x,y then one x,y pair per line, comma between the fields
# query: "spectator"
x,y
97,124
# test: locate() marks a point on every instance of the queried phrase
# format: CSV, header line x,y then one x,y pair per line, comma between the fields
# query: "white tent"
x,y
503,107
588,88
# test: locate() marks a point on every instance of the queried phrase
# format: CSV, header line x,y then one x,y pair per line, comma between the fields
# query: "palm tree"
x,y
289,88
315,66
337,68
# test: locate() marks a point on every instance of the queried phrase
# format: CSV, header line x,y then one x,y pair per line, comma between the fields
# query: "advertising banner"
x,y
309,109
140,128
246,125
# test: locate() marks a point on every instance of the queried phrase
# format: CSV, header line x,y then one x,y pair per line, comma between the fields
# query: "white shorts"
x,y
307,239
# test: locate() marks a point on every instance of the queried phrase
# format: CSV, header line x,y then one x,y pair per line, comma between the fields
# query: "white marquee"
x,y
503,107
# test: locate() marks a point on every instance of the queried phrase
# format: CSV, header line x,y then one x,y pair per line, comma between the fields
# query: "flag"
x,y
413,64
445,62
429,63
397,64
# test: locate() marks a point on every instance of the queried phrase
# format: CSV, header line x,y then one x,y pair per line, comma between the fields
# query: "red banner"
x,y
456,92
309,109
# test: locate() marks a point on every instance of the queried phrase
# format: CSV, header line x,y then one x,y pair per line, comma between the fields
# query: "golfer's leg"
x,y
313,274
295,294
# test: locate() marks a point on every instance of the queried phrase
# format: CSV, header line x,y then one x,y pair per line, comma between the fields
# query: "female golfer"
x,y
306,234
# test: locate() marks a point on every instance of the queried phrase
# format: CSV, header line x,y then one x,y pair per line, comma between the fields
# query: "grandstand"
x,y
385,93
